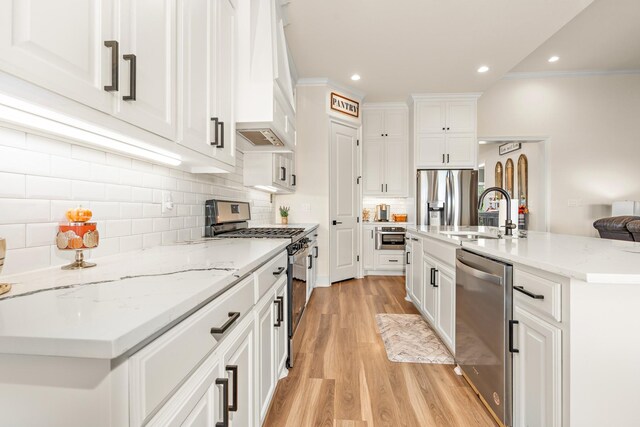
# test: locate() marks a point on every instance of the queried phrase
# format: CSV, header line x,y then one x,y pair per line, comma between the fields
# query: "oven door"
x,y
390,240
297,298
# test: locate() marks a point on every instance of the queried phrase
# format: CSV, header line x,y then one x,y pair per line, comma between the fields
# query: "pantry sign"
x,y
345,105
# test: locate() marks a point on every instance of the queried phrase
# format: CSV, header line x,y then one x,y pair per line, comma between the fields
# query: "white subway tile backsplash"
x,y
88,154
141,226
40,187
81,190
120,193
12,185
14,234
42,178
161,224
118,228
43,144
13,138
23,211
25,259
104,173
22,161
152,239
42,234
62,167
119,161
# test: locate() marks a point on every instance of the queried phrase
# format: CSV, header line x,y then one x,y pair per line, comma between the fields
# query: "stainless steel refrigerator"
x,y
447,197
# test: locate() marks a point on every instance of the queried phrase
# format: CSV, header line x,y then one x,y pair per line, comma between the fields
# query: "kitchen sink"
x,y
471,235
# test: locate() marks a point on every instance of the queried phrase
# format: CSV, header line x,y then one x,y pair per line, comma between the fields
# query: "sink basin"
x,y
470,235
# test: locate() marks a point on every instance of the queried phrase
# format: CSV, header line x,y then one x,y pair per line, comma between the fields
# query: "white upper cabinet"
x,y
445,131
148,71
60,45
385,150
207,33
271,172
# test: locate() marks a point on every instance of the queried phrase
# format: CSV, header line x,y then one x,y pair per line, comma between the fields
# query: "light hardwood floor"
x,y
343,378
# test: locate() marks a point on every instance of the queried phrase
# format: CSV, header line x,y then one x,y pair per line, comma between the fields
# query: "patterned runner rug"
x,y
408,338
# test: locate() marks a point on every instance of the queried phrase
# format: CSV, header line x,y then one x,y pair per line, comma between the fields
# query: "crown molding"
x,y
324,81
377,105
465,95
579,73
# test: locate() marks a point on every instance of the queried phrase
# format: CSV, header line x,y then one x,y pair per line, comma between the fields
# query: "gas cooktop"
x,y
263,232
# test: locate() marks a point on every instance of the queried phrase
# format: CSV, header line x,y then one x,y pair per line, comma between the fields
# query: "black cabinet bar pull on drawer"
x,y
233,316
115,65
528,293
132,77
224,382
408,255
279,271
234,371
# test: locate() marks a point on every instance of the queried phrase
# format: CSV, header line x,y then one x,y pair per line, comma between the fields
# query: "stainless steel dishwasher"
x,y
484,329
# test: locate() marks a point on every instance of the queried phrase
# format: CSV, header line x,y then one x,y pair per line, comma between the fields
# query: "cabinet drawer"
x,y
269,273
159,368
444,252
541,295
386,261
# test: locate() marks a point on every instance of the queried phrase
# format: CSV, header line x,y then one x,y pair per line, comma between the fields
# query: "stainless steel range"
x,y
226,219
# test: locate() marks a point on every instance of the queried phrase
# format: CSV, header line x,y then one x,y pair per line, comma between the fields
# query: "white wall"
x,y
310,203
593,123
488,155
41,178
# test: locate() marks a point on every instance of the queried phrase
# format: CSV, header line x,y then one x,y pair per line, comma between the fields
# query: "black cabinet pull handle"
x,y
442,158
215,131
293,175
310,262
528,293
393,260
115,65
433,277
233,316
280,309
234,371
372,233
386,188
318,250
225,402
408,260
447,158
278,319
283,173
447,128
443,128
221,124
511,348
382,188
132,77
279,271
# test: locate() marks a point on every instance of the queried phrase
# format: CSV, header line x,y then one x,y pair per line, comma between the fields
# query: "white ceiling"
x,y
413,46
605,36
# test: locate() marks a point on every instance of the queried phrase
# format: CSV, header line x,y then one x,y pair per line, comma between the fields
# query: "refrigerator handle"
x,y
448,203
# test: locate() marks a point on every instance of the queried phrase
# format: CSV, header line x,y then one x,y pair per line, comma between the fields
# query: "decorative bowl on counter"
x,y
399,217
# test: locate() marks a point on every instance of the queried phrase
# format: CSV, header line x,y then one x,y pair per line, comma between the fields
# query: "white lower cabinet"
x,y
430,289
266,347
281,342
446,311
537,371
240,370
204,414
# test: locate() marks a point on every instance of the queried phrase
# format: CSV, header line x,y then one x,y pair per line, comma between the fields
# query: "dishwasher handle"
x,y
478,274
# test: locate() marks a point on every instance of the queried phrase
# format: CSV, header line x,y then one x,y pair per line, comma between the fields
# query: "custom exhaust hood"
x,y
265,117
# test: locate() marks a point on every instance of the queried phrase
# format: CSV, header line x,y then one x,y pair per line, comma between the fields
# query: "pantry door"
x,y
344,206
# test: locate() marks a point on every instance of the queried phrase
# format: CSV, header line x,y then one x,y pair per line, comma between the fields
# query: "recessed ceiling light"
x,y
482,142
554,58
355,77
483,69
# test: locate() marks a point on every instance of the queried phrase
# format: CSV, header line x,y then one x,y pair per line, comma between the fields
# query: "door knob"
x,y
336,222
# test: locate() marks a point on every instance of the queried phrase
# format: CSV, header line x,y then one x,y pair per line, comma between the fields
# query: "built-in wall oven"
x,y
390,238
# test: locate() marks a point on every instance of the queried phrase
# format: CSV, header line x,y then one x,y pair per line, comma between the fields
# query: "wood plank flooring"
x,y
343,378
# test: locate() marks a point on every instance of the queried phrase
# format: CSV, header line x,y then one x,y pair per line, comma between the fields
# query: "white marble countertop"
x,y
388,223
103,312
589,259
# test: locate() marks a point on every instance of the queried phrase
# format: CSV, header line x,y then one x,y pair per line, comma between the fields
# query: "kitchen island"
x,y
575,322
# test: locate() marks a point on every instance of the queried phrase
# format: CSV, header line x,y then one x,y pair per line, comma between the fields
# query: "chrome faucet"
x,y
509,226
